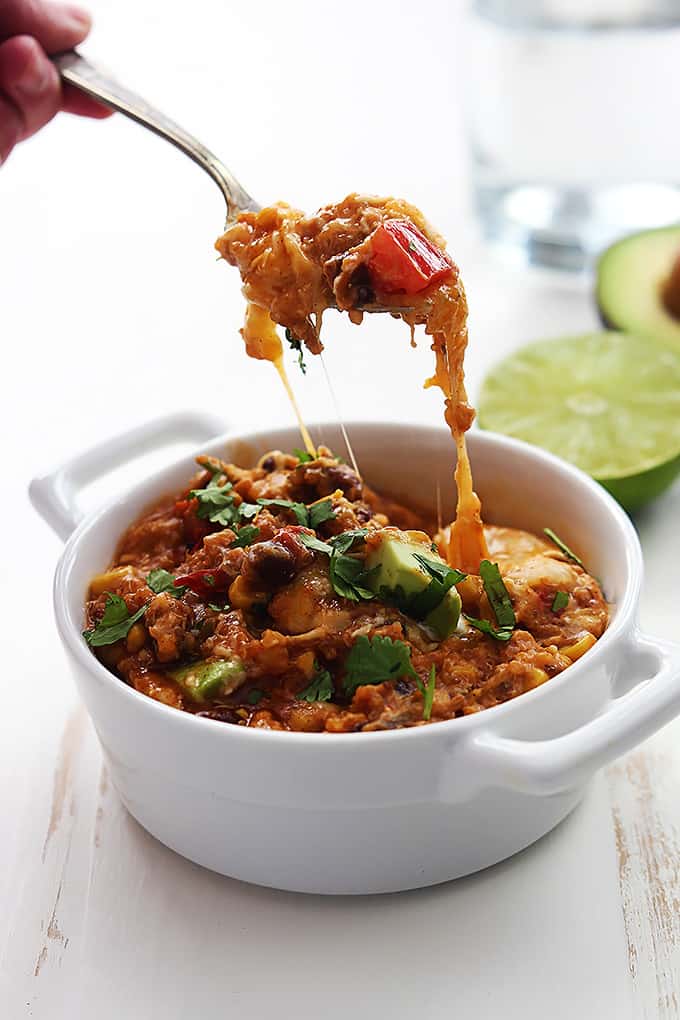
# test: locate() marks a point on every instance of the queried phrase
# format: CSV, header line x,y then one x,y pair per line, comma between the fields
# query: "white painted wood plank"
x,y
152,935
644,790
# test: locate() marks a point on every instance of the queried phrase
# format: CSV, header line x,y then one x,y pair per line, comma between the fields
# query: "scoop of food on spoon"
x,y
426,261
364,253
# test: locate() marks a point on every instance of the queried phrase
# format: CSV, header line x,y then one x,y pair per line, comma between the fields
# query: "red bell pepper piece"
x,y
205,583
404,260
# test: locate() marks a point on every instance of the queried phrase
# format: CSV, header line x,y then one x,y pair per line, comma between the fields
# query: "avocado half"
x,y
631,275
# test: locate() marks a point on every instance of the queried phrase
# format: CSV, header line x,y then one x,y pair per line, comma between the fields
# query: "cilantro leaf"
x,y
500,634
376,660
254,695
560,602
417,605
312,542
349,578
114,624
247,510
302,455
440,571
497,595
428,696
216,503
348,575
563,547
216,608
245,536
296,345
320,687
442,578
343,542
320,512
162,580
299,509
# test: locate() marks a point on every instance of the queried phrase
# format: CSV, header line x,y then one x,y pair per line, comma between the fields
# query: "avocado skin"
x,y
629,275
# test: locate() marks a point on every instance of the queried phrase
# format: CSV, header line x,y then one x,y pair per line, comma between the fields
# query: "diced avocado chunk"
x,y
397,565
443,620
202,681
399,576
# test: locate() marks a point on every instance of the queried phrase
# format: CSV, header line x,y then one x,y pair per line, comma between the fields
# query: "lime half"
x,y
607,402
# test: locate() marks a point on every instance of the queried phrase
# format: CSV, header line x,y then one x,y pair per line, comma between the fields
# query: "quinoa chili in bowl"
x,y
369,811
292,596
303,677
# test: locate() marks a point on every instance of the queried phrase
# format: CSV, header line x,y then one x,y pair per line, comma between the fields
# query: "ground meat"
x,y
155,541
168,621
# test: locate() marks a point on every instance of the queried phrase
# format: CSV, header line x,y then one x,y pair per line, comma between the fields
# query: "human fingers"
x,y
30,88
56,26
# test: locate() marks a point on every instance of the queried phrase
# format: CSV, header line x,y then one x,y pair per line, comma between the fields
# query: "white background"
x,y
114,310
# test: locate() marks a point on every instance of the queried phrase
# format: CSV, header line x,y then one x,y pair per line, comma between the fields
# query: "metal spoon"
x,y
83,75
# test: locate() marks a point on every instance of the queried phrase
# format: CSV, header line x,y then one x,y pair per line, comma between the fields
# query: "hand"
x,y
30,88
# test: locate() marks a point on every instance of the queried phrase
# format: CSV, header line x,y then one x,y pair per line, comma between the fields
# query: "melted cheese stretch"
x,y
263,342
294,267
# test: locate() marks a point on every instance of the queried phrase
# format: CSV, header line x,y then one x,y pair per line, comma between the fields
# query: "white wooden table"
x,y
108,281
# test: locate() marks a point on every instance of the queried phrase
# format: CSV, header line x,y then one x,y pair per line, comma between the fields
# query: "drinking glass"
x,y
573,110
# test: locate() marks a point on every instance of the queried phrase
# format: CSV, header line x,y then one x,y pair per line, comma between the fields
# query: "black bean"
x,y
270,564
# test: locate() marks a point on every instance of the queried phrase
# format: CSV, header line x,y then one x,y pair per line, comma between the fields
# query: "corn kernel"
x,y
136,638
107,581
578,648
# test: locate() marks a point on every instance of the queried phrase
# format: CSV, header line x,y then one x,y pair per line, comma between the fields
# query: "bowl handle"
x,y
55,495
544,767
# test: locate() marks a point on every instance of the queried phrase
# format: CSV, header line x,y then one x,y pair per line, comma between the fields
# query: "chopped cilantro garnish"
x,y
343,542
349,578
254,695
162,580
320,512
307,517
114,624
216,608
296,345
497,595
500,633
375,660
245,536
312,542
560,602
347,574
302,455
417,605
247,510
299,509
563,547
216,503
320,687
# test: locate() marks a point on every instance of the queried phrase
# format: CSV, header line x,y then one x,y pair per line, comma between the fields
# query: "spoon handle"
x,y
84,76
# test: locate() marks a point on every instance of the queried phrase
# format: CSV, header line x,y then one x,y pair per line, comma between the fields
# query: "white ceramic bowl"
x,y
385,811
